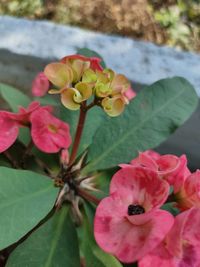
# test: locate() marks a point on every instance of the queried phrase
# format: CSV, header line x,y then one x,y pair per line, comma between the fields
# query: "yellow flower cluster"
x,y
77,80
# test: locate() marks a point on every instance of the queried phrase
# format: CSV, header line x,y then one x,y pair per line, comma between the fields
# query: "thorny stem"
x,y
88,196
79,131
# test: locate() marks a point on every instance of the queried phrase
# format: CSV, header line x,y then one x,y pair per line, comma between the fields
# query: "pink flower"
x,y
182,244
94,61
189,194
40,85
49,134
129,223
9,130
169,167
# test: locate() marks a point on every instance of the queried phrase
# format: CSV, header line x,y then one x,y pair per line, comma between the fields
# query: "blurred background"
x,y
171,22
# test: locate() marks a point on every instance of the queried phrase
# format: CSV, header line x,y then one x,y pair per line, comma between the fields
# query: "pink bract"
x,y
94,61
129,236
54,133
40,85
130,93
182,244
189,194
8,131
169,167
49,134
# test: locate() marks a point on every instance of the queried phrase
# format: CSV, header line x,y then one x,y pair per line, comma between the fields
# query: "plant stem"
x,y
79,131
27,152
88,196
11,159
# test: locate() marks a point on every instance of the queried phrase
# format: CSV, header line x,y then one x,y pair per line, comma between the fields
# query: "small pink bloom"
x,y
129,223
64,157
40,85
94,61
49,134
8,131
181,246
189,194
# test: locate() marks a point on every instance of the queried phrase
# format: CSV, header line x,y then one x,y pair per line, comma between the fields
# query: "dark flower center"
x,y
135,209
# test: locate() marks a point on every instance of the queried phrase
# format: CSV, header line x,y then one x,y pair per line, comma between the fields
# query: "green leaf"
x,y
171,207
14,97
94,118
90,53
48,100
54,243
148,120
25,199
94,255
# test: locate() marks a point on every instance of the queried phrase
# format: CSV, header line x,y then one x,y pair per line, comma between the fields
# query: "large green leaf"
x,y
90,53
94,118
150,118
53,244
13,97
25,199
94,255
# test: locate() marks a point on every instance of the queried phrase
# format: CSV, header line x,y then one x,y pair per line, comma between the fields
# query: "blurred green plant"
x,y
181,19
19,8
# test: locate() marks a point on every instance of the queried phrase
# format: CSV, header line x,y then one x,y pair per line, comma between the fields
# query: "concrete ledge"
x,y
141,62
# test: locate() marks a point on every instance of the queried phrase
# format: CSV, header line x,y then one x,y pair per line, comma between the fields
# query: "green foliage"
x,y
13,97
25,199
171,208
21,7
54,243
155,113
181,20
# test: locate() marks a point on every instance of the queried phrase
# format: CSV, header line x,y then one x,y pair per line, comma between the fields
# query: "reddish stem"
x,y
79,131
88,196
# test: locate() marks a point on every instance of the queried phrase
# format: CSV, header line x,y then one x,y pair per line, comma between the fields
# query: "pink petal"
x,y
178,176
192,189
49,133
118,236
40,85
148,153
94,61
23,116
140,186
130,93
168,164
8,132
159,257
147,161
186,228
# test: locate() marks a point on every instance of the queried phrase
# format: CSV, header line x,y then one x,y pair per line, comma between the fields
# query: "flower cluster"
x,y
132,225
48,133
78,78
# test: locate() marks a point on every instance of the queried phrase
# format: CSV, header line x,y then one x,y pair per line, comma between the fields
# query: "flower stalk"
x,y
79,131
